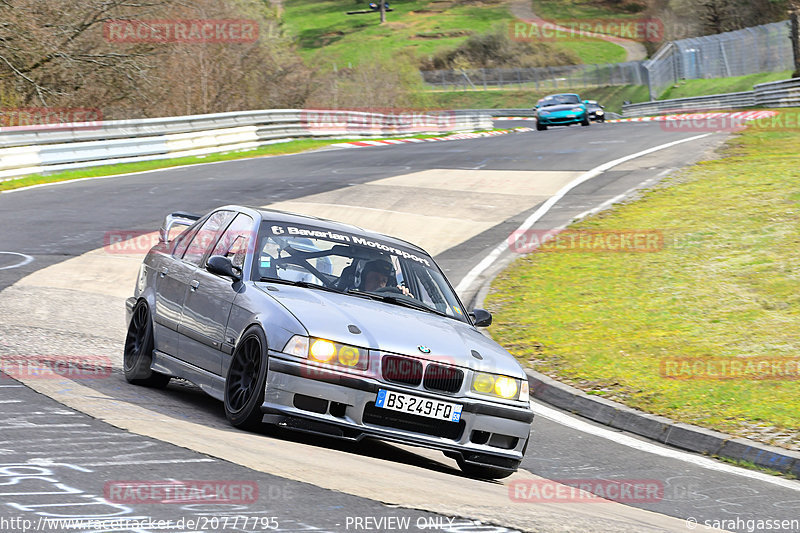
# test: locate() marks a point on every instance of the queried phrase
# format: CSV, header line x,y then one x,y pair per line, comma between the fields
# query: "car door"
x,y
172,282
175,276
210,298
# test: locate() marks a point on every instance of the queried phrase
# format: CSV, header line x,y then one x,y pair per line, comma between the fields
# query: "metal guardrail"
x,y
38,149
784,93
505,112
714,101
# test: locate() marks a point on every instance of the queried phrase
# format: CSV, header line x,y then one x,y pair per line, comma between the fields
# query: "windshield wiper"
x,y
299,283
404,301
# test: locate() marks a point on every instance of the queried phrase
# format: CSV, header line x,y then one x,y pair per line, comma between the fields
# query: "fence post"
x,y
724,57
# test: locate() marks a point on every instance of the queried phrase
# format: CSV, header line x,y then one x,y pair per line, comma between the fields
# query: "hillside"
x,y
418,29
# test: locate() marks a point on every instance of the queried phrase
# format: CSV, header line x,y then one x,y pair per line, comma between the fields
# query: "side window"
x,y
206,236
234,241
182,241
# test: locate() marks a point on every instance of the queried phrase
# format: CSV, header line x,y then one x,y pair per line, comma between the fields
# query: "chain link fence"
x,y
630,73
766,48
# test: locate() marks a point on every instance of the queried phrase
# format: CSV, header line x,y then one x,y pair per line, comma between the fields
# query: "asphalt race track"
x,y
63,441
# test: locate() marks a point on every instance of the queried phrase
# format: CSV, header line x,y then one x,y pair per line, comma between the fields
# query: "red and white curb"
x,y
737,115
454,137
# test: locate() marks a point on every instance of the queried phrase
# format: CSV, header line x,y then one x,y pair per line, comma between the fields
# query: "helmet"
x,y
381,266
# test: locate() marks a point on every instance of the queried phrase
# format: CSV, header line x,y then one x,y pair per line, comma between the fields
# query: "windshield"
x,y
354,265
559,99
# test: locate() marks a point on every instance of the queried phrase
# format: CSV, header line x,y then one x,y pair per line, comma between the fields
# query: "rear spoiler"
x,y
178,218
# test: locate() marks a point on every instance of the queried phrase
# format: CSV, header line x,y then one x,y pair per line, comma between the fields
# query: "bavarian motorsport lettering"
x,y
295,231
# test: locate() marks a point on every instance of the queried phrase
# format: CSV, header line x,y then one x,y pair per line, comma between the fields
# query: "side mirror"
x,y
586,101
222,266
481,318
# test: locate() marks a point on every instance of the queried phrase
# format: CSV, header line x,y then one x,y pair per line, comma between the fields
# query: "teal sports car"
x,y
561,110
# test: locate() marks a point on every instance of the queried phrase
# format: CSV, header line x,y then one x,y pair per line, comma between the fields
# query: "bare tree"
x,y
55,53
794,15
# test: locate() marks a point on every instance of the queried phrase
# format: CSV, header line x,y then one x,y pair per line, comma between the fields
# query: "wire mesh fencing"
x,y
765,48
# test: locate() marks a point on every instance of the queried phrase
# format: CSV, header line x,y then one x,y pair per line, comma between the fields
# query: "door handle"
x,y
163,272
194,284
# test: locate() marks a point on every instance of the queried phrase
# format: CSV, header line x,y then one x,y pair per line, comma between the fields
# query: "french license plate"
x,y
415,405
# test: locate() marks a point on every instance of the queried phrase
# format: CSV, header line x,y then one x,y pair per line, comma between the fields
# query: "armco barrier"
x,y
784,93
39,149
714,101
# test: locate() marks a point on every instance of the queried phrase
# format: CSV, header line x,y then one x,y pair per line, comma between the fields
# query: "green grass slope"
x,y
326,35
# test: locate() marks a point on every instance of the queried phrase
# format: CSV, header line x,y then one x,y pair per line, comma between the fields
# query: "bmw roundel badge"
x,y
423,349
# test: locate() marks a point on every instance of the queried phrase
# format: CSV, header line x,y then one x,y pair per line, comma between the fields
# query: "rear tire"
x,y
246,379
138,354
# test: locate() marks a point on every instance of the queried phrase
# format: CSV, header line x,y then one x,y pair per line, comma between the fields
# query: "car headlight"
x,y
496,385
542,113
328,352
599,112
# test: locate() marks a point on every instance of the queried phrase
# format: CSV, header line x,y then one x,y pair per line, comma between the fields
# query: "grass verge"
x,y
724,285
291,147
733,84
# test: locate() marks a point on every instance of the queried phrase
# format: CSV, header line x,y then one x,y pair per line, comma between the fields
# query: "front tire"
x,y
482,472
585,121
540,127
138,354
247,377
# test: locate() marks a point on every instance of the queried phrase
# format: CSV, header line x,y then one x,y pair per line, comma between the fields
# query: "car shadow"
x,y
185,401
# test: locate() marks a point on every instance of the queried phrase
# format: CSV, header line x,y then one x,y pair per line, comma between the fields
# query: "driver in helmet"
x,y
375,275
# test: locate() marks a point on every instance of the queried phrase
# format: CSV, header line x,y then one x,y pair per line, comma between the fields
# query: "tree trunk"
x,y
795,15
382,4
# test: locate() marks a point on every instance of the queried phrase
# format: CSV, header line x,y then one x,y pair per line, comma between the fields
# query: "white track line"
x,y
25,260
631,442
487,261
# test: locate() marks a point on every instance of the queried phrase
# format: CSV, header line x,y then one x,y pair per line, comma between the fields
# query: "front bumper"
x,y
343,405
561,120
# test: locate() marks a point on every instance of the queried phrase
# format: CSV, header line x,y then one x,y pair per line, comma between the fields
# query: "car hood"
x,y
393,328
559,108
